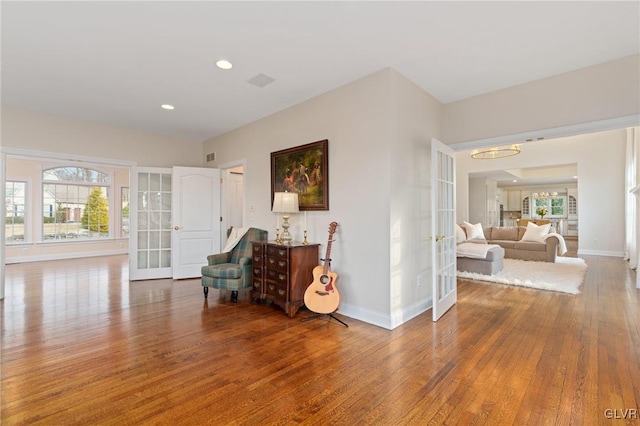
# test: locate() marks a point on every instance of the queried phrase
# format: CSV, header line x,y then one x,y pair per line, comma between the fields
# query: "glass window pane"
x,y
165,260
143,240
166,239
166,220
15,196
143,181
124,212
76,174
154,258
166,201
166,182
142,260
154,182
154,239
154,200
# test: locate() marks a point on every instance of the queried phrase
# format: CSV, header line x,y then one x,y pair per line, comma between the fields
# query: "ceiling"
x,y
117,62
545,176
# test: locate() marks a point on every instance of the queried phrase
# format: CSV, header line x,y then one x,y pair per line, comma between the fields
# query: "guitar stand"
x,y
325,315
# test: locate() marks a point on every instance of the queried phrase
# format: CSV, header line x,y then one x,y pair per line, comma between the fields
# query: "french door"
x,y
443,243
175,221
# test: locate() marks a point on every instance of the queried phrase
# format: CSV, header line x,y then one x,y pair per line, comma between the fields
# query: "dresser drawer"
x,y
281,293
256,272
256,255
277,264
270,289
257,285
277,252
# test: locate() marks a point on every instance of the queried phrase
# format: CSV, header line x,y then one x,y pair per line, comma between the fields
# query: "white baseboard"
x,y
601,253
60,256
386,321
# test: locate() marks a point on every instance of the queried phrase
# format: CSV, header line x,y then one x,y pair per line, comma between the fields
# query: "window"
x,y
573,205
124,204
555,206
75,204
525,206
15,193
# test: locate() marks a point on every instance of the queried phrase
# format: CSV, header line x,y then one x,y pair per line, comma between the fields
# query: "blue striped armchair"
x,y
232,270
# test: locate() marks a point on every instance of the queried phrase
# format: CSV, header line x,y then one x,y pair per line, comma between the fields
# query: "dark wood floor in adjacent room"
x,y
82,345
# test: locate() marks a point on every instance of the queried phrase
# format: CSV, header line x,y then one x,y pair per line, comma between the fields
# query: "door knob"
x,y
177,228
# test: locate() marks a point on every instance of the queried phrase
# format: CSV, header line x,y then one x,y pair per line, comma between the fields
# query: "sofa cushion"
x,y
536,233
530,246
507,244
223,270
461,237
498,233
474,231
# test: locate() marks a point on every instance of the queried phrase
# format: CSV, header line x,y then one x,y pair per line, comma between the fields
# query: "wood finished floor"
x,y
82,345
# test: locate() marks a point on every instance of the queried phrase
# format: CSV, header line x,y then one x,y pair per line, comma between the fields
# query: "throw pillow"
x,y
461,237
536,233
474,231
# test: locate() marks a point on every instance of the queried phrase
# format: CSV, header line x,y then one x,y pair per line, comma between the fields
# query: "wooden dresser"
x,y
282,273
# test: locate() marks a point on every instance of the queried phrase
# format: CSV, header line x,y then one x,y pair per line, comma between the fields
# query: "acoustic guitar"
x,y
322,294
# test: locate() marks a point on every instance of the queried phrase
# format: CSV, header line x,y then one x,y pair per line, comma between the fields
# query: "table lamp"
x,y
285,203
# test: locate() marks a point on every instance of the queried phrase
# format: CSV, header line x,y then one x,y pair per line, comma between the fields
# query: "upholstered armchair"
x,y
232,270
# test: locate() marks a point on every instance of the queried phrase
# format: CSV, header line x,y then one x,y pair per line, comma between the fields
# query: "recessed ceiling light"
x,y
224,64
575,177
167,106
514,181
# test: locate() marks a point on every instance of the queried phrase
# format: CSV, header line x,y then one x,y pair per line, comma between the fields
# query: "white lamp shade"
x,y
285,202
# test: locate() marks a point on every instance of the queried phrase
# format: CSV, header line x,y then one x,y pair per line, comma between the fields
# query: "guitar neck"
x,y
327,258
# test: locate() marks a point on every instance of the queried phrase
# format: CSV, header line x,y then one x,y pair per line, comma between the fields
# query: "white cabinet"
x,y
514,201
525,204
572,203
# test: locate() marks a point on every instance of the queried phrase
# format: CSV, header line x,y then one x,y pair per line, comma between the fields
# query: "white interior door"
x,y
150,223
196,219
443,242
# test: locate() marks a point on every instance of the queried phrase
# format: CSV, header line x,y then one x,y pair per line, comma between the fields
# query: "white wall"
x,y
418,118
35,133
601,161
378,130
30,130
606,91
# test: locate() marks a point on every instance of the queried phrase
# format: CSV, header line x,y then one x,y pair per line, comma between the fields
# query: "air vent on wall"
x,y
211,157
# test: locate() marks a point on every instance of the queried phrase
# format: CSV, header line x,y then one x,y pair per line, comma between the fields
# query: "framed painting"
x,y
303,169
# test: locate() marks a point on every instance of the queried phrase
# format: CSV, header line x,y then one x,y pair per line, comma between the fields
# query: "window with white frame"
x,y
15,205
554,206
124,204
75,203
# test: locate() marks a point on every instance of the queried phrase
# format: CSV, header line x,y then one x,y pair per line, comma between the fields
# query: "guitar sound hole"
x,y
324,279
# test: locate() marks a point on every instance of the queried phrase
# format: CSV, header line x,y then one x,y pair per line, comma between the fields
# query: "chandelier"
x,y
544,194
492,153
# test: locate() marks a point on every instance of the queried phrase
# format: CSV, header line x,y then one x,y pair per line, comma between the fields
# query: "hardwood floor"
x,y
82,345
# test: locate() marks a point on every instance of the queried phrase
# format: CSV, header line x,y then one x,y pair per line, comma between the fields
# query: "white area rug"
x,y
565,275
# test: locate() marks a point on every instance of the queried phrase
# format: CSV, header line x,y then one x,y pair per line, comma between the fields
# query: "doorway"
x,y
232,203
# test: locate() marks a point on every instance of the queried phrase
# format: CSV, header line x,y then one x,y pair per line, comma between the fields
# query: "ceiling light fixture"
x,y
493,153
224,64
167,106
544,194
